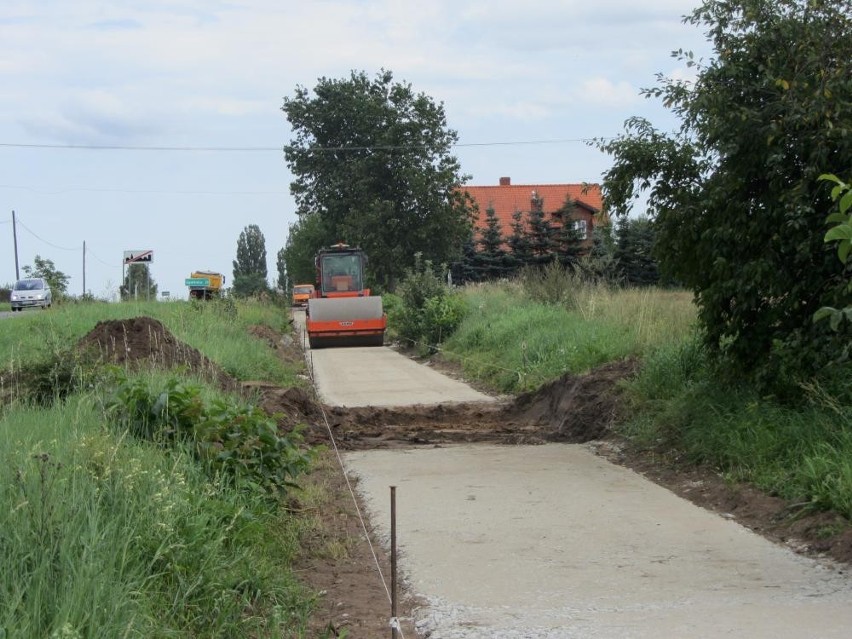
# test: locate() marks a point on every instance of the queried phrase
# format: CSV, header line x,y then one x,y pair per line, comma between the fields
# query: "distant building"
x,y
507,199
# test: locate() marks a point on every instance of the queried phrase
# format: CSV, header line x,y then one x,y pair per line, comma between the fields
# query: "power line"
x,y
59,191
266,149
92,253
35,235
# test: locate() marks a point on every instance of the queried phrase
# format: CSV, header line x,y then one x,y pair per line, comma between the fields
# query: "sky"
x,y
157,125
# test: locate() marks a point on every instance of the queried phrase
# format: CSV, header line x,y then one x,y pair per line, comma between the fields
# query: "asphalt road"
x,y
552,542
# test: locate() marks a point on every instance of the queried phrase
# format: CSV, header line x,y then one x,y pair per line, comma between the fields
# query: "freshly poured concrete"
x,y
379,376
552,541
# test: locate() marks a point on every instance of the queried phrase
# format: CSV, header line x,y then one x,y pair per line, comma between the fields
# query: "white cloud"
x,y
521,110
222,105
604,92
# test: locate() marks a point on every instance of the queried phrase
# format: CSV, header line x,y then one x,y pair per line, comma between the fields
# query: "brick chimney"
x,y
505,181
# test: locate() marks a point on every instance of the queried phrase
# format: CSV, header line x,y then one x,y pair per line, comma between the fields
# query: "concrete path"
x,y
554,542
379,376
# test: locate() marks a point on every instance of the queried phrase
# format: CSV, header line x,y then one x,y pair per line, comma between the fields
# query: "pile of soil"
x,y
573,408
145,341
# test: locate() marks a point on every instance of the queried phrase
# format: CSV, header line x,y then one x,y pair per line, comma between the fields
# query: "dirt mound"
x,y
144,340
575,408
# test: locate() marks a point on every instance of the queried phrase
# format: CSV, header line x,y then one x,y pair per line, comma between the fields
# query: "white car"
x,y
33,291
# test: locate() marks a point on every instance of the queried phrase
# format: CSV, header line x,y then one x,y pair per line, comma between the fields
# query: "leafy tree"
x,y
734,193
281,265
306,237
45,268
250,266
372,159
841,233
250,284
138,283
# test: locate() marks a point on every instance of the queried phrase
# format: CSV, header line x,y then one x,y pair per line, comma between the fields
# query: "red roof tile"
x,y
506,199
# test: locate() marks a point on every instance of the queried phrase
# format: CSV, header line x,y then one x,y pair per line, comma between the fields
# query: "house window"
x,y
580,227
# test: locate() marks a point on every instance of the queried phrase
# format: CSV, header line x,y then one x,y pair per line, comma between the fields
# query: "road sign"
x,y
197,281
166,293
131,257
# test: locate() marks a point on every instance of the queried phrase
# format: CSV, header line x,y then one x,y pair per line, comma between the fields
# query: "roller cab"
x,y
342,312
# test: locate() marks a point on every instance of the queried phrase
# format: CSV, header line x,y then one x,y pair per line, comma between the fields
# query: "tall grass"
x,y
102,536
218,328
515,343
802,453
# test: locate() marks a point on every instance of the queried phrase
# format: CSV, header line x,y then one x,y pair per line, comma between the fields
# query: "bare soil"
x,y
574,408
144,341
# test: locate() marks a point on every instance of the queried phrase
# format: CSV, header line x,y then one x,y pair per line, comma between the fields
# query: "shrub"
x,y
441,316
240,443
429,311
559,285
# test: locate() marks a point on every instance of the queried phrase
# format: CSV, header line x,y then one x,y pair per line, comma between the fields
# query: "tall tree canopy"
x,y
734,194
250,266
372,158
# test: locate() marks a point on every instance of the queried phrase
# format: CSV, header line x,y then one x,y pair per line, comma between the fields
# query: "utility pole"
x,y
84,268
15,239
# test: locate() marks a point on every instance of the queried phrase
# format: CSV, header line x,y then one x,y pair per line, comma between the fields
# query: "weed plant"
x,y
235,442
104,536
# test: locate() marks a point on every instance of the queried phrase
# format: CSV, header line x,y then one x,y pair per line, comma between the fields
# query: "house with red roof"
x,y
507,198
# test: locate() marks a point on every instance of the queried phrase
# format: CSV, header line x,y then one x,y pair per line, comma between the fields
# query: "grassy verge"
x,y
802,453
217,328
106,536
104,533
514,343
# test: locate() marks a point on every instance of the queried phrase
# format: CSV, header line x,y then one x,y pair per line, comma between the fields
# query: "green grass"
x,y
217,328
102,536
516,344
802,453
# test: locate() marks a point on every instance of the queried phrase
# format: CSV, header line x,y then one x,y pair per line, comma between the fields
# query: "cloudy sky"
x,y
203,81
